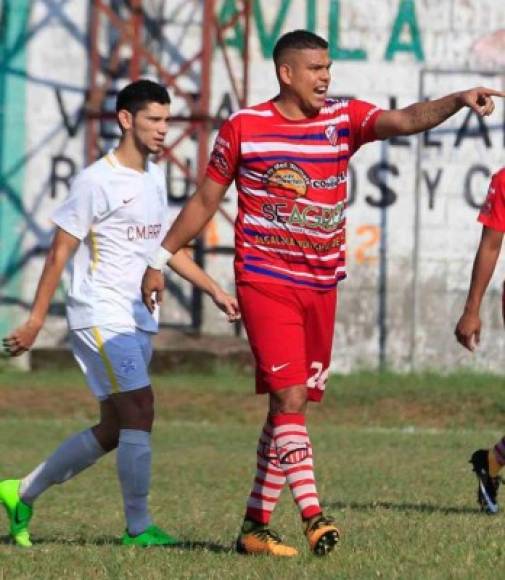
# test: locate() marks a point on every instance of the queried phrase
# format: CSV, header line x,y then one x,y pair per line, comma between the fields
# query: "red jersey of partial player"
x,y
492,213
291,178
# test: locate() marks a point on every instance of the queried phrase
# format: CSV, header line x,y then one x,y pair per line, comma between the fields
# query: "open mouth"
x,y
321,91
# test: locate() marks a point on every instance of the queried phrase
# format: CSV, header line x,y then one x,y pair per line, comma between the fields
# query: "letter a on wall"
x,y
406,17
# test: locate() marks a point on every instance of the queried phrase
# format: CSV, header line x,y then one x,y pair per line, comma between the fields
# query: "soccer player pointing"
x,y
289,159
115,215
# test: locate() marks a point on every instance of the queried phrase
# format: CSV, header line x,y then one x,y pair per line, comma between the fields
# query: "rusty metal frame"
x,y
199,121
131,31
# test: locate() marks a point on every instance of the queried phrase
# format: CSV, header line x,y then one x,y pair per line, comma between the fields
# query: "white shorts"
x,y
112,361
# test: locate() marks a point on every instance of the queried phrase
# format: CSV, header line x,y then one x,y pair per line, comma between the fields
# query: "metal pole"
x,y
205,81
197,301
94,62
203,142
417,240
137,24
245,69
383,257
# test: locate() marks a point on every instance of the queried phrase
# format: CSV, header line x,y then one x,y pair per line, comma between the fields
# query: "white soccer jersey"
x,y
120,215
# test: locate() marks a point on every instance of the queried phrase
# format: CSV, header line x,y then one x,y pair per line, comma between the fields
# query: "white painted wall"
x,y
448,233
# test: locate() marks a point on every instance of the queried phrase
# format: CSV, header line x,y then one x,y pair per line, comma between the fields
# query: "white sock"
x,y
71,457
134,471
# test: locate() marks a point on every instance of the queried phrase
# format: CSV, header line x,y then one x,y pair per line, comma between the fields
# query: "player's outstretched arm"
x,y
469,325
62,248
426,115
193,217
188,269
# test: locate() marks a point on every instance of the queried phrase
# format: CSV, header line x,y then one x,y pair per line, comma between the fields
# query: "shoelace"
x,y
267,534
322,521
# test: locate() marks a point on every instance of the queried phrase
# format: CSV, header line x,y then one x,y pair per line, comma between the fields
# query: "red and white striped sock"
x,y
295,456
269,480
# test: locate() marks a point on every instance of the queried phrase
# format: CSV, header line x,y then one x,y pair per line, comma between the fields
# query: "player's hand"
x,y
21,339
153,284
227,303
480,100
468,331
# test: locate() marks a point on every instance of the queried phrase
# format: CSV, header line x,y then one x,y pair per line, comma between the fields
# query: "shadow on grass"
x,y
100,541
424,508
187,545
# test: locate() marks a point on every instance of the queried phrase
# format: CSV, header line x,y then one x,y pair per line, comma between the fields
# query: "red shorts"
x,y
290,331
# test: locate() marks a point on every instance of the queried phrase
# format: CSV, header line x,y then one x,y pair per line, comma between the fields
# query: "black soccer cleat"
x,y
487,491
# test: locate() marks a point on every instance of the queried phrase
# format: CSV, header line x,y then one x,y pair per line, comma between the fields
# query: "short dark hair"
x,y
135,96
298,40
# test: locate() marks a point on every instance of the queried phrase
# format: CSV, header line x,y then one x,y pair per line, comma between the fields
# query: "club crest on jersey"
x,y
331,134
128,365
286,179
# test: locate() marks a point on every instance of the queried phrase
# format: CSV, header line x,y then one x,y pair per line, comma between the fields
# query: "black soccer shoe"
x,y
488,486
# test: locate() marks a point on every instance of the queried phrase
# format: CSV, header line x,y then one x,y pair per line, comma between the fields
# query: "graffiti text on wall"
x,y
380,175
404,36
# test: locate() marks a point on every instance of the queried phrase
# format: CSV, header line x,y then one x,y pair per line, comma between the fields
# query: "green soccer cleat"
x,y
151,536
18,512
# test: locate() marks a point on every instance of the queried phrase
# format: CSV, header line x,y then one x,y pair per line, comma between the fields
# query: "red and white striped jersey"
x,y
492,213
291,178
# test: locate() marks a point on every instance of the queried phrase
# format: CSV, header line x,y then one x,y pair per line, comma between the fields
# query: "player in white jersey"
x,y
115,215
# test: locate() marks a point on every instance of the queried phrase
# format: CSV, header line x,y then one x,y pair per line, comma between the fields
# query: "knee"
x,y
107,434
293,406
289,401
145,415
137,410
143,408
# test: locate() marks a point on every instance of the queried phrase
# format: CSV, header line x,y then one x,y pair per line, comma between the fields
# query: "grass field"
x,y
391,458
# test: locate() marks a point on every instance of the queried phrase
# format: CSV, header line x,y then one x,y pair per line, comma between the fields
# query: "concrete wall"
x,y
390,52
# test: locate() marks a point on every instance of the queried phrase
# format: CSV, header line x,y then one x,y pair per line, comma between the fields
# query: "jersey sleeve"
x,y
78,212
362,118
492,213
224,158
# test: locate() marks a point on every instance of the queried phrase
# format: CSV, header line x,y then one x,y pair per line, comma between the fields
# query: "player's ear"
x,y
125,119
284,72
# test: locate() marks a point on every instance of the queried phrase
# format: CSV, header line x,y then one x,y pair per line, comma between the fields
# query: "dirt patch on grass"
x,y
25,401
176,404
402,411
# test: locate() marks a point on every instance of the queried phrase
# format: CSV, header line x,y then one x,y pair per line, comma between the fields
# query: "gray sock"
x,y
71,457
134,471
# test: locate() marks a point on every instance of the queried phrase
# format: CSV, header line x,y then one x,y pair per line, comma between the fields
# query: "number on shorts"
x,y
319,378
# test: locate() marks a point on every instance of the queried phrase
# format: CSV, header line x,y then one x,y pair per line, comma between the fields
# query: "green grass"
x,y
390,455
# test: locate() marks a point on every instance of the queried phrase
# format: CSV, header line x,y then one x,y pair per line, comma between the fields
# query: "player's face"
x,y
307,77
150,126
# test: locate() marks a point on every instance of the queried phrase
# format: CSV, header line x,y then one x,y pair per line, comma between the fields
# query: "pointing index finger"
x,y
493,92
